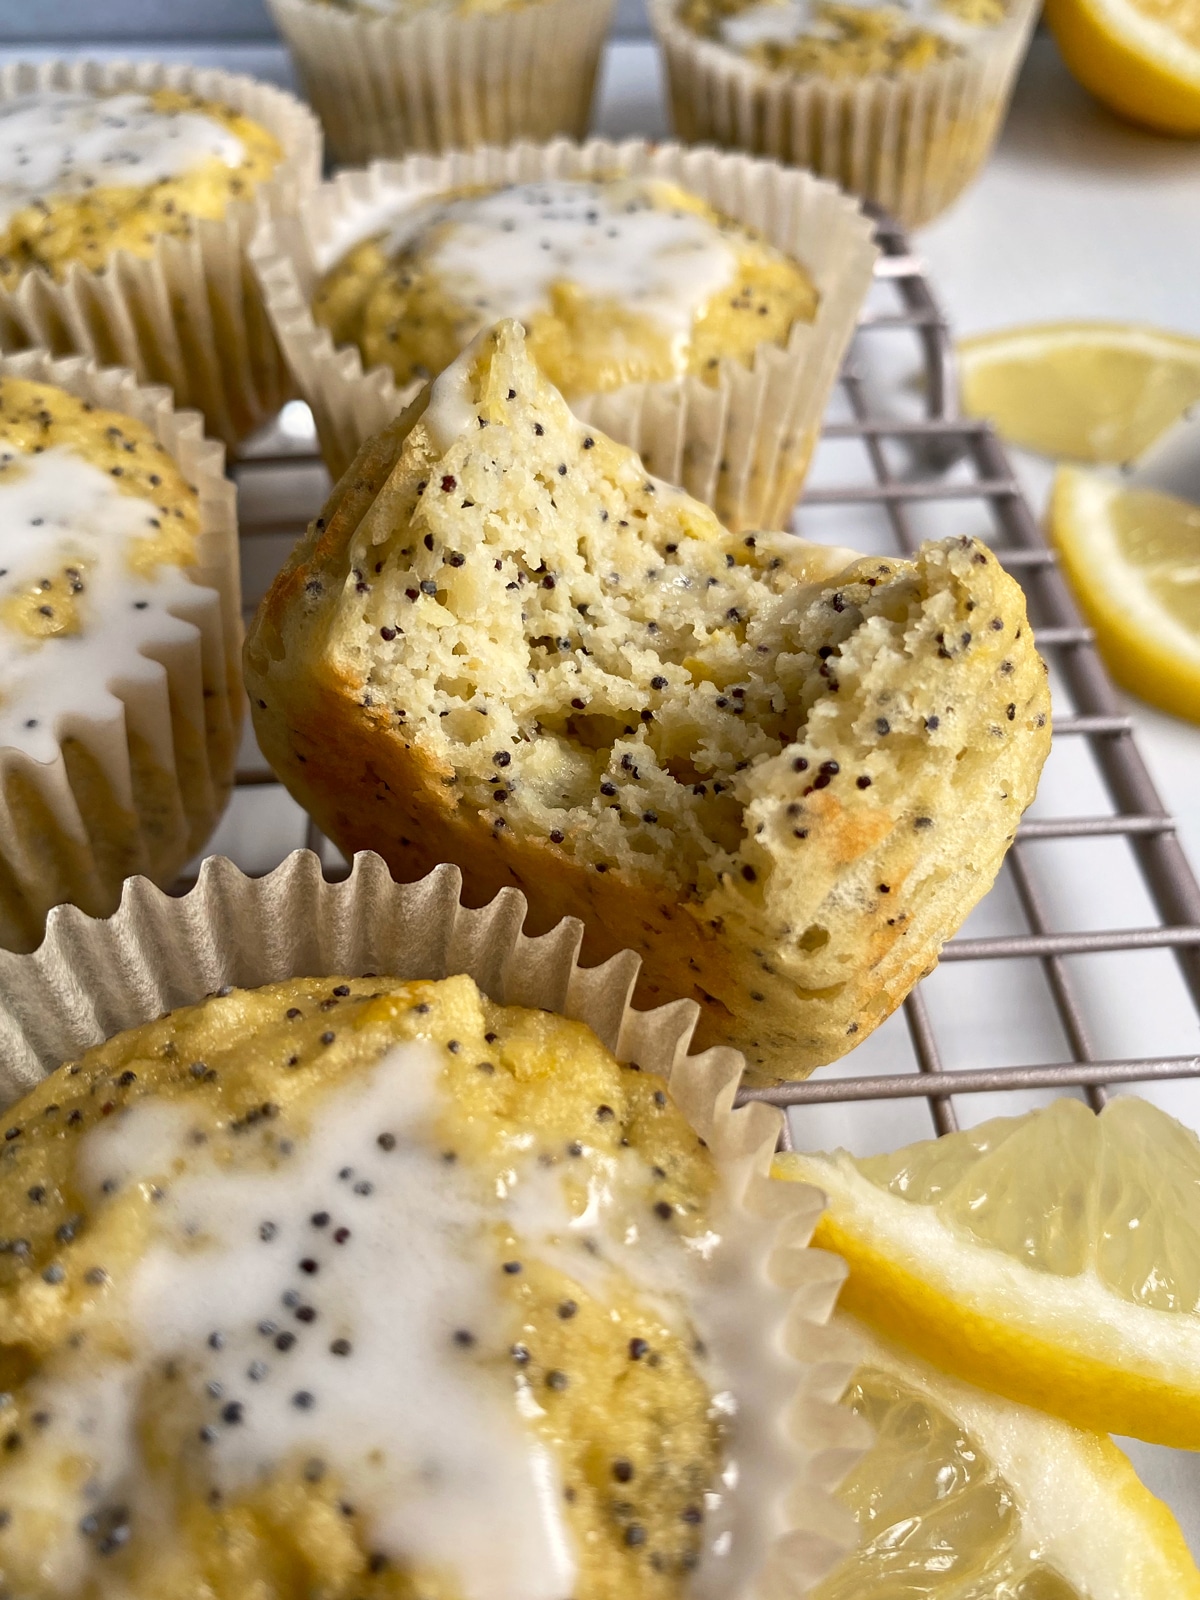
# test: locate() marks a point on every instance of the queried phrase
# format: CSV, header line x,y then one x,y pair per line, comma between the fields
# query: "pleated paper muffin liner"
x,y
445,80
189,315
91,979
140,789
741,445
910,142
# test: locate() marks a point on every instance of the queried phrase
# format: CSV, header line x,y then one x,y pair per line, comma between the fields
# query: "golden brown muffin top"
x,y
826,38
99,523
294,1279
86,175
617,280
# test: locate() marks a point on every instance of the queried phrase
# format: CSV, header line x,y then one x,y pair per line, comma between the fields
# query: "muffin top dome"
x,y
364,1287
844,38
83,175
617,281
99,529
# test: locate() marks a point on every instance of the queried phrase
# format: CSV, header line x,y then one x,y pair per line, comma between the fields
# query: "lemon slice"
x,y
966,1497
1133,558
1053,1258
1091,391
1140,57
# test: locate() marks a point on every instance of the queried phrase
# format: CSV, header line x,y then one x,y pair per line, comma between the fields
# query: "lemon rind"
x,y
1031,340
1153,42
1075,1350
1128,64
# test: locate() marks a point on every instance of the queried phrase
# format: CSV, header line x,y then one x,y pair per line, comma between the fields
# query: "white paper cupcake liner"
x,y
91,979
190,315
445,80
140,790
742,445
910,143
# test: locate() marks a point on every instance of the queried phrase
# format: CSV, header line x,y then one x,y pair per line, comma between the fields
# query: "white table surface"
x,y
1076,216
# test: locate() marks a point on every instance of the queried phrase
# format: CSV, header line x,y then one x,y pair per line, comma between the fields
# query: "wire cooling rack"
x,y
898,464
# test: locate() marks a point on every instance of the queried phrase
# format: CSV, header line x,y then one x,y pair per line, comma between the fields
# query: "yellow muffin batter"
x,y
35,417
412,303
88,221
845,40
250,1079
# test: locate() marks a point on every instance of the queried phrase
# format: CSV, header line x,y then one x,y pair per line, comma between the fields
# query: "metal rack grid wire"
x,y
954,460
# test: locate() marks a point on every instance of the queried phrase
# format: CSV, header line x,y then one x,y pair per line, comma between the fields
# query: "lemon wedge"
x,y
1133,558
966,1497
1140,57
1052,1258
1090,391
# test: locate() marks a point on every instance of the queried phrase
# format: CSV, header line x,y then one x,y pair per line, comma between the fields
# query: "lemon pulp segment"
x,y
1090,391
1133,558
967,1497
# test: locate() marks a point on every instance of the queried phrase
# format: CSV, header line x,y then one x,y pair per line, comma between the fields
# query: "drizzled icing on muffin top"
x,y
60,142
331,1306
381,1283
96,528
844,38
501,253
84,174
617,280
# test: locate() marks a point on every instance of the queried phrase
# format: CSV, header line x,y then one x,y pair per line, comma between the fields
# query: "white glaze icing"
x,y
441,1467
620,241
432,1443
358,215
452,412
58,509
451,409
781,21
63,142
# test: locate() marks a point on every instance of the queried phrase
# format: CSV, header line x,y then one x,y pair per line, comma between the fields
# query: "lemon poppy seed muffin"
x,y
693,304
781,774
118,708
86,175
899,101
363,1287
625,280
388,77
128,195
